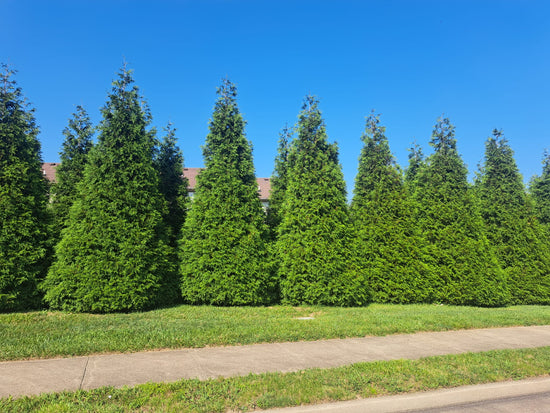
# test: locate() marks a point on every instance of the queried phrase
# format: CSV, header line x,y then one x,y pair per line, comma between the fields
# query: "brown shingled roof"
x,y
264,184
48,170
264,188
191,175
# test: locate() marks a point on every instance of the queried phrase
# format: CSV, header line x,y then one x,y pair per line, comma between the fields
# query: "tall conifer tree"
x,y
173,185
112,255
24,243
467,268
389,248
74,156
279,181
540,190
316,259
523,250
224,252
416,162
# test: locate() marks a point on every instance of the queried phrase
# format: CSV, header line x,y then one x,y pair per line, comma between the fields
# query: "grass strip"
x,y
47,334
271,390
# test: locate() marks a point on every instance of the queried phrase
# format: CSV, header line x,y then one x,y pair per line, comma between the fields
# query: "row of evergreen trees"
x,y
120,233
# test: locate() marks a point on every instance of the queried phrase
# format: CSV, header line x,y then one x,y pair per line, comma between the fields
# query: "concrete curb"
x,y
437,399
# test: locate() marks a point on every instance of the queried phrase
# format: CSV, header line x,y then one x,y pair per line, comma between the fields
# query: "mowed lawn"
x,y
47,334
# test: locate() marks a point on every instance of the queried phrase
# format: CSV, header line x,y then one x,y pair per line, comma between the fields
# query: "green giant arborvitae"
x,y
512,227
74,156
24,244
224,251
279,181
388,247
540,190
416,162
173,185
316,260
467,269
112,256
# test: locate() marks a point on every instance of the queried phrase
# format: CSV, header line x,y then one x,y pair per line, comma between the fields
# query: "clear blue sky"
x,y
484,64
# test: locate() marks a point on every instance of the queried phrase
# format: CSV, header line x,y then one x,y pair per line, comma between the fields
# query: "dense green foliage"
x,y
24,249
74,156
467,269
416,162
520,244
279,181
173,186
224,252
112,256
388,245
129,238
540,190
316,260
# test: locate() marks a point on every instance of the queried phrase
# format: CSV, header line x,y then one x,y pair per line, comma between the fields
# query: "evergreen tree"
x,y
173,185
389,248
24,244
224,253
279,181
540,190
467,268
74,156
508,213
317,265
112,256
416,162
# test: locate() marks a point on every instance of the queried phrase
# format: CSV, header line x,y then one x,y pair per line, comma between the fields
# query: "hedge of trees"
x,y
117,231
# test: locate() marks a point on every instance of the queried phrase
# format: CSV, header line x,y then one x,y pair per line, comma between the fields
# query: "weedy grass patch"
x,y
45,334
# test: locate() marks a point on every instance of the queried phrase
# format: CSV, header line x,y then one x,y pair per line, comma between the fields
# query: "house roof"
x,y
191,175
264,184
48,170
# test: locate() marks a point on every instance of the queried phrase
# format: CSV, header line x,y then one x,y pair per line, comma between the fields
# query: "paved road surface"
x,y
524,396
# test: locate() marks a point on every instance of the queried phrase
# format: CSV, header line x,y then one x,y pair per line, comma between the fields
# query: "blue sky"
x,y
484,64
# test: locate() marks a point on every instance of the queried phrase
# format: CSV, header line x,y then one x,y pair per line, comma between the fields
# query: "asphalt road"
x,y
532,403
522,396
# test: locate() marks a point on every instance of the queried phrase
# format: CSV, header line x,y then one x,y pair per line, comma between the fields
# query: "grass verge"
x,y
50,334
304,387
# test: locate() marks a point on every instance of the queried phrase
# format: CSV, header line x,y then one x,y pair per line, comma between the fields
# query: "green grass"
x,y
303,387
51,334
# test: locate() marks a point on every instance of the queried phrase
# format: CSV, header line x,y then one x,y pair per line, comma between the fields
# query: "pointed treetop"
x,y
498,144
124,95
497,139
125,78
283,150
310,105
546,163
443,136
227,92
415,152
77,134
497,134
311,126
5,76
416,158
373,129
376,143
